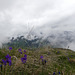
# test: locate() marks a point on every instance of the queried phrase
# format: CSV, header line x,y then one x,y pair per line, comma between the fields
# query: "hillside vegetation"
x,y
42,61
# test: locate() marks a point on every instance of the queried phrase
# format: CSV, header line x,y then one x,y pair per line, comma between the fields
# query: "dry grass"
x,y
34,63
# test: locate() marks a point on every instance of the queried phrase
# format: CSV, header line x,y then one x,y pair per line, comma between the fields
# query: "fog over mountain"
x,y
50,19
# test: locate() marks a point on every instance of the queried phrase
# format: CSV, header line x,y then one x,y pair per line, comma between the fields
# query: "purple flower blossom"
x,y
54,73
4,62
7,56
10,48
68,58
25,55
10,63
41,57
19,50
24,59
57,51
71,55
8,60
24,50
45,61
59,72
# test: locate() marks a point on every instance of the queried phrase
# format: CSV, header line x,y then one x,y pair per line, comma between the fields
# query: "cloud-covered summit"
x,y
47,16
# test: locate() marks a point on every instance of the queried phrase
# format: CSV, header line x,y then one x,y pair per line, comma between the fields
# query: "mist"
x,y
45,16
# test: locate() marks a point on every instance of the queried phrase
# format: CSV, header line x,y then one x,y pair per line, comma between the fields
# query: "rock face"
x,y
59,40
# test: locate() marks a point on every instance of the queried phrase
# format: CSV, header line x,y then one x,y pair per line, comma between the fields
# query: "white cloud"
x,y
43,14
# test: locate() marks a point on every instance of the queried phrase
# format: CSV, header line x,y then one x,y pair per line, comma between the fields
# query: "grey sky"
x,y
19,16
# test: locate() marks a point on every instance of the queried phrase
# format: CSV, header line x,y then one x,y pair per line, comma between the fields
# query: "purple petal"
x,y
4,62
10,48
23,59
10,63
54,73
25,55
24,50
7,56
41,57
59,72
19,50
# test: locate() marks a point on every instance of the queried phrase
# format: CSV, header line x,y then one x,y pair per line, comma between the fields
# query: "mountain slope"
x,y
58,60
59,40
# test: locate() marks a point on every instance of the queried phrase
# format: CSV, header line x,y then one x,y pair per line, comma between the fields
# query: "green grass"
x,y
55,62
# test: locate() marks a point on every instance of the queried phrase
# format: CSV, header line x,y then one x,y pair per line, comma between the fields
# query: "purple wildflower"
x,y
54,73
59,72
45,61
4,62
19,50
7,56
57,51
24,59
10,63
8,60
10,48
25,55
68,58
41,57
24,50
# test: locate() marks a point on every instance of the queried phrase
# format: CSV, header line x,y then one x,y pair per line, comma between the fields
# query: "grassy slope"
x,y
57,60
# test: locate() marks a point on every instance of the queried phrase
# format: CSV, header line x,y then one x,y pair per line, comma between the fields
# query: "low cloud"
x,y
46,16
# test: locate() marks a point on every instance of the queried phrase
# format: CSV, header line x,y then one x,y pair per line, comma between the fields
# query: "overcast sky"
x,y
19,16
